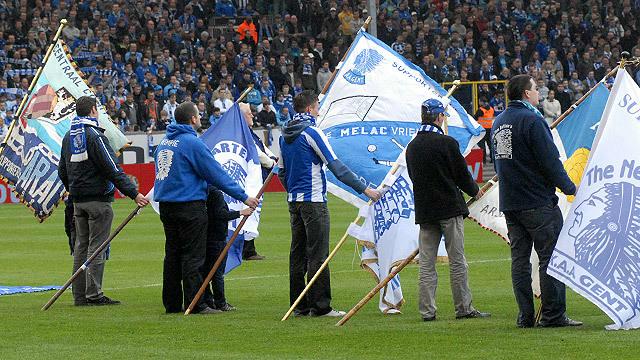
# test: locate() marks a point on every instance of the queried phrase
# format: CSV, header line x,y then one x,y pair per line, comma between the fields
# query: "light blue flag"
x,y
372,109
578,129
233,147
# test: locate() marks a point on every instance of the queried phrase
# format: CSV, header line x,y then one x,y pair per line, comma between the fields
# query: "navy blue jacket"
x,y
527,160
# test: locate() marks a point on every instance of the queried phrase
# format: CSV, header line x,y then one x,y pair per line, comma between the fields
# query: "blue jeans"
x,y
538,228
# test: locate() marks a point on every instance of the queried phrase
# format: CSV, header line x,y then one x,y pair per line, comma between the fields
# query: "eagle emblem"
x,y
365,62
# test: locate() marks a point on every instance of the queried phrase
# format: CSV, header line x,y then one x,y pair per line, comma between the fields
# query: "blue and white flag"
x,y
598,251
233,147
370,113
372,109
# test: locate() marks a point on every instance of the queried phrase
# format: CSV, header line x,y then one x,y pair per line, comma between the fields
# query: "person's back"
x,y
528,165
435,162
526,159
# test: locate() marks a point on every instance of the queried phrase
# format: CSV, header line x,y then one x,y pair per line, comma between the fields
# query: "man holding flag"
x,y
528,165
184,168
89,170
305,150
438,170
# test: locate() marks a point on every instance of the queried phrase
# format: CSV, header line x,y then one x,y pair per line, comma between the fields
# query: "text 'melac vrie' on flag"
x,y
598,251
233,147
30,160
370,112
573,138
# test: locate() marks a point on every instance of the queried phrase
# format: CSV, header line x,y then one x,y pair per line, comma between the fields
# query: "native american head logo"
x,y
49,105
606,230
163,164
365,62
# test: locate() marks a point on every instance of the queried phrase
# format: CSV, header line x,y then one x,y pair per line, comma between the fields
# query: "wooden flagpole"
x,y
224,252
90,259
18,113
378,287
397,269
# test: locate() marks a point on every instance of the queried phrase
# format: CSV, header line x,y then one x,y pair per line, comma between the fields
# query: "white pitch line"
x,y
286,275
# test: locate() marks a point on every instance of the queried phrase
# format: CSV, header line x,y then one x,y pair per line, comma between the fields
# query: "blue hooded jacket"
x,y
185,167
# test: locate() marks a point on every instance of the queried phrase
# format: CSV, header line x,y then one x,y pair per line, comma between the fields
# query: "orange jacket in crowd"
x,y
251,27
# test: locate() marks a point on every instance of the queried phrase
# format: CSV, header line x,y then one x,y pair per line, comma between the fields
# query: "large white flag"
x,y
598,251
370,113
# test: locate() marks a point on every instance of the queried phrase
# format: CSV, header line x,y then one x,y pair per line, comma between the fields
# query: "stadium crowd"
x,y
143,58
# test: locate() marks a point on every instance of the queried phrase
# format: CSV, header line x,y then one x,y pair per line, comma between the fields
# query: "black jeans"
x,y
185,229
539,228
309,249
215,297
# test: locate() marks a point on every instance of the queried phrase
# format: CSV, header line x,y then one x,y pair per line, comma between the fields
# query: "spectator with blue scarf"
x,y
90,172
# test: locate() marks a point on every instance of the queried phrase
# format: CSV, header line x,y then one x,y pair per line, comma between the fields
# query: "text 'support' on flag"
x,y
233,147
598,251
370,113
573,137
30,160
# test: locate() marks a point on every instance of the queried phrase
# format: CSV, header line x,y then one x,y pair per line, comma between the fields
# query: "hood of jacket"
x,y
175,130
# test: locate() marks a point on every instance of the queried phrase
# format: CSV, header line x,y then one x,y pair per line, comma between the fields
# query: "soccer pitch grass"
x,y
37,254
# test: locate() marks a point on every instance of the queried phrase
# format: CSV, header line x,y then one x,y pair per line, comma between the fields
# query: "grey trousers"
x,y
430,235
93,224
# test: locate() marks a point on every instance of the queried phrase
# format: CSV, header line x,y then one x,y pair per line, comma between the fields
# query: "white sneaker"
x,y
335,313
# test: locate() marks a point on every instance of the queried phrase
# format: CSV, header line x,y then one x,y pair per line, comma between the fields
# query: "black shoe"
x,y
429,318
208,311
102,301
80,303
226,307
255,257
300,313
473,315
562,323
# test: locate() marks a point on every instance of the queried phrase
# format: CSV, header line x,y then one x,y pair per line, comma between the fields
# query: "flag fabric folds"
x,y
598,251
369,113
30,160
233,147
389,234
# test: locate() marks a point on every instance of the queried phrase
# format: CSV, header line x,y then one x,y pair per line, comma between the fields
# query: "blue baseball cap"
x,y
435,106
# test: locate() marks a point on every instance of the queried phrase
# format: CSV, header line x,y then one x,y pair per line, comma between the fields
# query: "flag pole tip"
x,y
63,22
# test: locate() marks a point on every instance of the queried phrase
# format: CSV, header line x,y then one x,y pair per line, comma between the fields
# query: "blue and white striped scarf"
x,y
79,137
529,106
301,117
431,128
